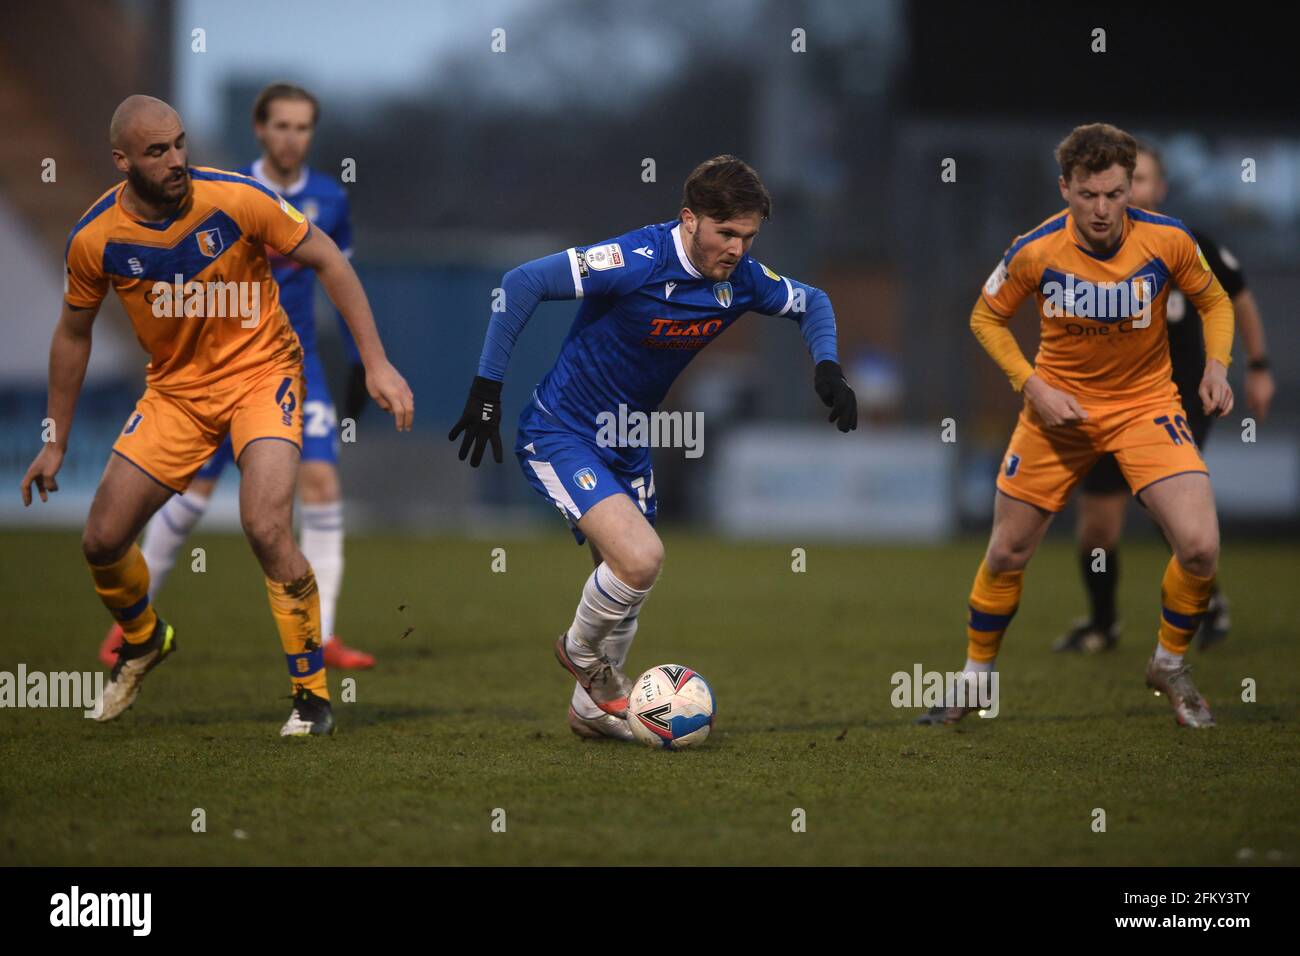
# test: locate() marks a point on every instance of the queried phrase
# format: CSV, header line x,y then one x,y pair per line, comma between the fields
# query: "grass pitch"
x,y
465,715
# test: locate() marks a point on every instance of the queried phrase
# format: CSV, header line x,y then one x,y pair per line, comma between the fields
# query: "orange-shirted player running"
x,y
1100,273
185,250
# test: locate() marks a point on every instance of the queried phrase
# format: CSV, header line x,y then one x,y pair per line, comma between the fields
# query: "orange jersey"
x,y
1104,338
197,287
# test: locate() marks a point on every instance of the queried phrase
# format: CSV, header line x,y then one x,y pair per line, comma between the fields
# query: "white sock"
x,y
166,532
620,639
970,678
322,546
1166,656
615,648
606,601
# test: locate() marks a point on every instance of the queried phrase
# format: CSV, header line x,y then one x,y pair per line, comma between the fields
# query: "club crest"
x,y
209,242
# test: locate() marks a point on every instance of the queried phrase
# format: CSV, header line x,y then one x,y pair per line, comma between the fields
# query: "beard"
x,y
287,160
151,192
698,256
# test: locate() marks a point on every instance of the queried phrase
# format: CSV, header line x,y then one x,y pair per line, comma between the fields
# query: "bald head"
x,y
148,141
136,114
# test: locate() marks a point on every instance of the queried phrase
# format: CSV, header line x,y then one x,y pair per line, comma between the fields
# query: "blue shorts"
x,y
573,472
320,426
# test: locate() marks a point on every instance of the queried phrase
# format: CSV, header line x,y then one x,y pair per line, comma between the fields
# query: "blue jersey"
x,y
646,312
322,200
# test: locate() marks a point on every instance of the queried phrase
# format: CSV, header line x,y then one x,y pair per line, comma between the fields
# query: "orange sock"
x,y
123,586
295,606
1183,599
993,602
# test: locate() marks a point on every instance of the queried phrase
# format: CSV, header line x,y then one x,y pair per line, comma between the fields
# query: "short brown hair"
x,y
1096,147
282,91
725,187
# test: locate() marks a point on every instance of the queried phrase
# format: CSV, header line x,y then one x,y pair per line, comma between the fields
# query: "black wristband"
x,y
1258,365
486,389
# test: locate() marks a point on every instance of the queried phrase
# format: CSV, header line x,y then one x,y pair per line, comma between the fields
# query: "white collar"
x,y
681,253
296,186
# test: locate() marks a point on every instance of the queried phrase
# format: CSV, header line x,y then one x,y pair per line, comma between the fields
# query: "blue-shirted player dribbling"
x,y
651,299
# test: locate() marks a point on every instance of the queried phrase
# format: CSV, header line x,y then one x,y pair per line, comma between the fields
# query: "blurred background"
x,y
471,159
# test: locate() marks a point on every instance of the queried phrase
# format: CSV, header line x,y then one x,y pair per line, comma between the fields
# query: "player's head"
x,y
723,204
284,118
1149,185
148,140
1097,163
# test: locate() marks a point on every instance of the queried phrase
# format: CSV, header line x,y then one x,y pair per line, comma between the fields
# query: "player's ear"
x,y
688,219
120,161
1065,188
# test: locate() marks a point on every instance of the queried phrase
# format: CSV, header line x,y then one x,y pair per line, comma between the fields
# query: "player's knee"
x,y
266,531
1199,553
639,568
101,548
1005,556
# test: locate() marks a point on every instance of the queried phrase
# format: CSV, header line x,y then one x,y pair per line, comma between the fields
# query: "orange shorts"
x,y
1150,442
170,438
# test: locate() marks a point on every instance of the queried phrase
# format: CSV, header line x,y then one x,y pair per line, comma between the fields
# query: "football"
x,y
671,707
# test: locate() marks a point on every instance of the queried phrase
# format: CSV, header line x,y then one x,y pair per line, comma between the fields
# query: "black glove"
x,y
836,395
480,421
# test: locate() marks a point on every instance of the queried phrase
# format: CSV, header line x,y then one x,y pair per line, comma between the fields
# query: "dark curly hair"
x,y
1096,147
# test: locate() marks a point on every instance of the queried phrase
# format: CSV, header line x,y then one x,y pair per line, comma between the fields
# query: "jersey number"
x,y
1178,429
320,419
642,492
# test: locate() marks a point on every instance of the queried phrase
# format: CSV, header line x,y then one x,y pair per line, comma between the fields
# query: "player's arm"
x,y
1009,285
69,356
1226,268
811,308
523,288
1194,277
339,280
1259,378
84,290
354,398
601,269
992,332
